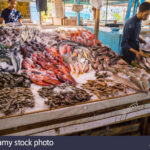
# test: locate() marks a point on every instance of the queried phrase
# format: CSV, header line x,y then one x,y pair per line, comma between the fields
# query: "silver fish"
x,y
5,59
14,62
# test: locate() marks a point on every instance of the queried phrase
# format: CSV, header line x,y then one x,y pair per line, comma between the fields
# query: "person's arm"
x,y
1,20
142,40
137,53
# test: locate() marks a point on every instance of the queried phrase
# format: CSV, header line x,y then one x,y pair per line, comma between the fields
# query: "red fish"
x,y
28,64
38,80
50,68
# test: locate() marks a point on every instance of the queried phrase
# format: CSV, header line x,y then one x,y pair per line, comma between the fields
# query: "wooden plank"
x,y
72,111
122,129
88,126
83,120
132,134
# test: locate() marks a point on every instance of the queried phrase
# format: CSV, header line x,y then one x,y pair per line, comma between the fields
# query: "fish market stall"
x,y
65,81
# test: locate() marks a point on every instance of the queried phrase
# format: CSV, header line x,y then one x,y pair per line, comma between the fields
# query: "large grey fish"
x,y
14,62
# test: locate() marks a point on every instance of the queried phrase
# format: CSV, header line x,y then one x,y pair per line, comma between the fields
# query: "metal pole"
x,y
64,14
79,2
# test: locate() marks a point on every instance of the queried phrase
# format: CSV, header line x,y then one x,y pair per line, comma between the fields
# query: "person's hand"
x,y
137,53
144,42
138,56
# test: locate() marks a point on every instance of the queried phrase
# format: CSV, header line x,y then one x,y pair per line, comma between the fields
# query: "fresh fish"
x,y
18,60
5,59
130,74
146,63
85,54
145,83
113,70
72,68
125,82
14,62
121,62
107,61
67,42
136,82
136,71
86,68
81,68
77,70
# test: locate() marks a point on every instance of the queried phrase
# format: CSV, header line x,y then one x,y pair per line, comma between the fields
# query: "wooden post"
x,y
79,2
78,19
97,23
144,126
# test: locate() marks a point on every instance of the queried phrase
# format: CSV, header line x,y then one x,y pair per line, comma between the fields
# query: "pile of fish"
x,y
16,99
131,77
80,63
10,59
50,58
103,57
121,80
76,56
84,37
29,47
47,68
12,80
9,36
63,95
145,63
103,88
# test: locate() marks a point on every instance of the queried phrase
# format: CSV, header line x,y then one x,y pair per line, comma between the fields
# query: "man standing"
x,y
131,34
10,14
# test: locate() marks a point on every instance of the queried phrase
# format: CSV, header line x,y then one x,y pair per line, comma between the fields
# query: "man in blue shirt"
x,y
10,14
131,34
